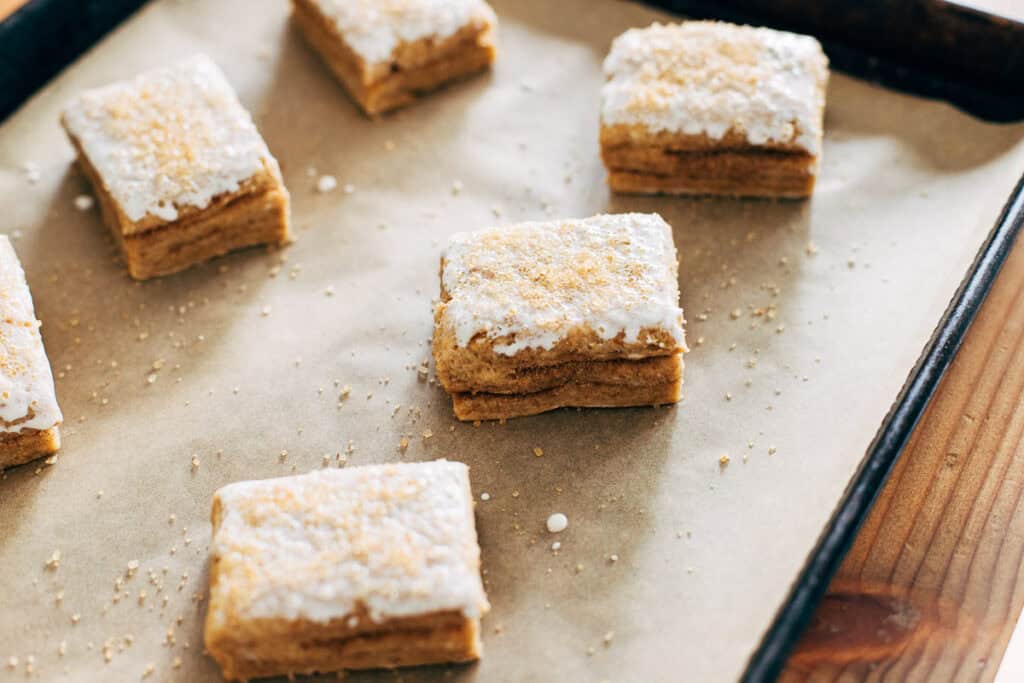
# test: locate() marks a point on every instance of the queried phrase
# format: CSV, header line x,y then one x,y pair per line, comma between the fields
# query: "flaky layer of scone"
x,y
647,170
701,84
307,647
169,143
471,407
546,293
349,554
18,448
29,413
385,55
499,380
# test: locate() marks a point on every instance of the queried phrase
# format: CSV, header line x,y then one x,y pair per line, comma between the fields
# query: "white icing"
x,y
538,282
27,397
169,138
397,539
374,28
711,78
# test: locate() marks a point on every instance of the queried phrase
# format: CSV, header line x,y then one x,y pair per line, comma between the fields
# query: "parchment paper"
x,y
835,299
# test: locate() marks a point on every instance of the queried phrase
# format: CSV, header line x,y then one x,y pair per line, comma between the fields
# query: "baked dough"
x,y
386,53
29,414
179,169
569,313
707,107
365,567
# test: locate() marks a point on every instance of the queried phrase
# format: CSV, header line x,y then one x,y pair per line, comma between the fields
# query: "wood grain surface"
x,y
933,586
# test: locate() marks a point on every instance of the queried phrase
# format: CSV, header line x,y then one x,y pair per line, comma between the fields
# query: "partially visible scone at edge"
x,y
565,313
386,52
29,415
708,107
361,568
179,169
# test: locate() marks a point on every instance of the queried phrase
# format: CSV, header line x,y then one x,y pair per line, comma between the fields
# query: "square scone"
x,y
706,107
179,169
567,313
29,415
361,568
386,52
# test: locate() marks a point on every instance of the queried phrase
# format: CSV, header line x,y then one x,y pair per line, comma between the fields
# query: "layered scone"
x,y
386,52
180,171
570,313
29,415
712,108
362,568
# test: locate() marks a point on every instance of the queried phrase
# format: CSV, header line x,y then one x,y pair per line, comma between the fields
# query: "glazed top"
x,y
398,540
374,28
168,138
533,284
27,397
710,78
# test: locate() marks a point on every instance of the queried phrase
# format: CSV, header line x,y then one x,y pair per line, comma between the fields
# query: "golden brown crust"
x,y
415,68
17,448
471,407
274,647
505,380
769,186
258,213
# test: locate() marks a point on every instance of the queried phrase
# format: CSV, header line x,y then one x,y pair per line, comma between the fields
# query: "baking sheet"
x,y
835,299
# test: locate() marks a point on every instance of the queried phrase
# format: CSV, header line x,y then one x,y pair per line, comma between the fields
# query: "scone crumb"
x,y
538,451
557,523
326,183
724,460
54,561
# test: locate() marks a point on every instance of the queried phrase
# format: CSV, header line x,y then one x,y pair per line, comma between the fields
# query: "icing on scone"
x,y
169,138
398,540
374,28
27,398
538,282
711,78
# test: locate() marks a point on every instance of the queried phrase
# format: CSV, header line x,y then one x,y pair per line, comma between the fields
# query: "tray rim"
x,y
795,612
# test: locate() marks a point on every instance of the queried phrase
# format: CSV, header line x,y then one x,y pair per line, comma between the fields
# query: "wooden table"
x,y
932,588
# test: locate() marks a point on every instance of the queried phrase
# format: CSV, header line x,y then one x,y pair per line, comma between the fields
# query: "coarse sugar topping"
x,y
532,284
169,138
398,540
27,397
710,78
374,28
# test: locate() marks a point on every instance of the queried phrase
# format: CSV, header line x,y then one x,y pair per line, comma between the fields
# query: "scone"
x,y
359,568
29,415
712,108
568,313
386,52
180,171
